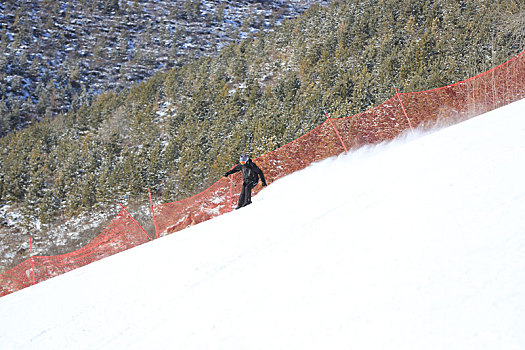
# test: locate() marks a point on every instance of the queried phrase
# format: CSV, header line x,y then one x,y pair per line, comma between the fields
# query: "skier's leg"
x,y
242,196
248,194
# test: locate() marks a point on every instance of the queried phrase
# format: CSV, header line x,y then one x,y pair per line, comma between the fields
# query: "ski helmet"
x,y
243,159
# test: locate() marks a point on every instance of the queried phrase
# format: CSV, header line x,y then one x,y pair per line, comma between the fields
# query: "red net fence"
x,y
122,233
443,106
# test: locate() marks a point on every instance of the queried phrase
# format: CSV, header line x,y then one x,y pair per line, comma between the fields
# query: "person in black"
x,y
250,173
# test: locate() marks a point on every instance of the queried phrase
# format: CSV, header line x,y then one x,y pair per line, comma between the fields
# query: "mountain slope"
x,y
57,55
60,179
409,245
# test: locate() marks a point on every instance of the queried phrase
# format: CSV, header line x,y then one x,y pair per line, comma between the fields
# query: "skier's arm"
x,y
259,171
235,169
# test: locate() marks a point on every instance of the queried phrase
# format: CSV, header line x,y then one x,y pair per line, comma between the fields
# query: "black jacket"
x,y
250,172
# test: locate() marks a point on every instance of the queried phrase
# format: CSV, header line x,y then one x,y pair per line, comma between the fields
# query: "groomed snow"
x,y
415,244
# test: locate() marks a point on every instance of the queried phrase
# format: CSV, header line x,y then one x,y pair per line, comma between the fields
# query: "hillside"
x,y
421,247
58,55
178,131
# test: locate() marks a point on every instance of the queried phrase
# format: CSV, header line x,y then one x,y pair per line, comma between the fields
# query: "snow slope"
x,y
416,244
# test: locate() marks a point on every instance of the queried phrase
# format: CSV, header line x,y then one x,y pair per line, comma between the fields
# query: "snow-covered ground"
x,y
416,244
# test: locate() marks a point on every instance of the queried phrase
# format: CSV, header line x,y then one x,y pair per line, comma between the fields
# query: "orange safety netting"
x,y
443,106
122,233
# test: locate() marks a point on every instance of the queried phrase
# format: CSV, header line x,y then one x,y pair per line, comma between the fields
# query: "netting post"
x,y
337,132
504,100
494,94
403,107
484,97
516,78
518,72
32,262
518,69
507,77
474,95
231,192
153,214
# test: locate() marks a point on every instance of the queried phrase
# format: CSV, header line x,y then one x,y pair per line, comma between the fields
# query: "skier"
x,y
250,173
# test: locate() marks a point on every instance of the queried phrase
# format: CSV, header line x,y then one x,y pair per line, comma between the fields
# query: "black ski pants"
x,y
246,193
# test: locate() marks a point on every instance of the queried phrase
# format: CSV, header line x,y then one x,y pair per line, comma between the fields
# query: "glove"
x,y
264,184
